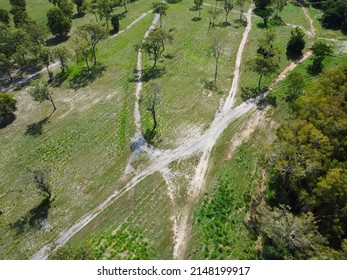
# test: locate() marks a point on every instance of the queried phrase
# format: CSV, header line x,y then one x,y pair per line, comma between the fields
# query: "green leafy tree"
x,y
152,105
37,33
124,3
20,16
47,57
198,4
266,60
241,4
7,104
4,17
264,10
5,65
296,42
79,4
40,93
66,7
213,14
217,44
105,8
62,55
58,23
296,86
320,52
228,6
292,237
155,44
279,5
160,8
92,34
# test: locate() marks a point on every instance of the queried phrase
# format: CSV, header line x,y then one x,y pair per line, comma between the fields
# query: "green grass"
x,y
184,103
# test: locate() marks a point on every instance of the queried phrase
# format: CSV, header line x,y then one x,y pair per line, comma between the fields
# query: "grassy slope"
x,y
185,104
241,176
83,150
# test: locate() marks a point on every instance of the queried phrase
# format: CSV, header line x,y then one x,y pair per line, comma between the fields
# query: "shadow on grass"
x,y
34,219
195,19
36,129
240,23
59,79
211,85
54,41
293,56
85,77
150,135
6,119
314,70
250,92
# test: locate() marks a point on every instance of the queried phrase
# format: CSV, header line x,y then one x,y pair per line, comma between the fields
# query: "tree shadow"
x,y
314,70
85,77
150,135
34,219
168,56
54,41
36,129
223,24
195,19
152,73
6,119
59,79
250,92
240,22
261,25
276,21
78,15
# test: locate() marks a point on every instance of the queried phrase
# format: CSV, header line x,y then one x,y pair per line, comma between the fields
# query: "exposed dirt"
x,y
159,160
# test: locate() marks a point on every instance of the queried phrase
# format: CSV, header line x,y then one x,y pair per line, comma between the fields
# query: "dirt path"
x,y
161,159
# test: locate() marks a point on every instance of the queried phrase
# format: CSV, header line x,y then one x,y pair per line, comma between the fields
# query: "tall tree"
x,y
79,4
66,7
62,55
5,65
264,10
296,42
217,45
198,4
279,5
155,44
105,8
320,52
266,60
40,92
241,4
160,9
19,12
228,6
58,23
124,3
154,100
7,106
92,34
4,17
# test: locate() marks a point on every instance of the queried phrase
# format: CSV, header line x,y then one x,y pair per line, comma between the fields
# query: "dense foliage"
x,y
309,176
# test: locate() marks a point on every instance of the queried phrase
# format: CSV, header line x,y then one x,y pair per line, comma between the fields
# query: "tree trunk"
x,y
51,99
226,16
87,63
259,82
125,6
161,21
199,11
216,71
154,117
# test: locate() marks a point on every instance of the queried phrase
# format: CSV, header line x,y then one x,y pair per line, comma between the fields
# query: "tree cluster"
x,y
306,215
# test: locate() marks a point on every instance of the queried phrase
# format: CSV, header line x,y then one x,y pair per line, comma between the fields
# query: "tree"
x,y
160,9
66,7
228,6
115,23
266,60
320,52
58,23
154,100
241,4
7,105
335,14
296,86
92,34
198,4
79,4
124,3
213,16
20,16
37,33
105,8
155,44
279,6
217,44
293,237
47,57
4,17
296,42
5,65
62,55
40,92
263,9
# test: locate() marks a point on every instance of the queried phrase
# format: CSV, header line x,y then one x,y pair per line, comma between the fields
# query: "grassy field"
x,y
83,147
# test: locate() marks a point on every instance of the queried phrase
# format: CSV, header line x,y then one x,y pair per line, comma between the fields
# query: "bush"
x,y
7,107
